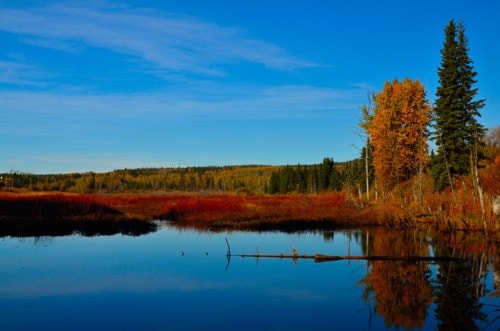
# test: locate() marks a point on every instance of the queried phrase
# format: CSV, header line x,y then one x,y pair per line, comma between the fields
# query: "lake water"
x,y
180,279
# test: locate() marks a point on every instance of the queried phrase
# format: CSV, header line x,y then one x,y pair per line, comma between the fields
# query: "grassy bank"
x,y
43,214
286,212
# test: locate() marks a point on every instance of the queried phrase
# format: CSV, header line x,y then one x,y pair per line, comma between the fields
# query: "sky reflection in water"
x,y
179,279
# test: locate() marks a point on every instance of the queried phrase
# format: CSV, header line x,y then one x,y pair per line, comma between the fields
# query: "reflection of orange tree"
x,y
401,289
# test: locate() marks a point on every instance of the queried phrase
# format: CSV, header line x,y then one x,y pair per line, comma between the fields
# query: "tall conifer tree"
x,y
457,132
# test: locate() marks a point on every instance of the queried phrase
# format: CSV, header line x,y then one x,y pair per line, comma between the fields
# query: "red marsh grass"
x,y
287,212
215,211
189,210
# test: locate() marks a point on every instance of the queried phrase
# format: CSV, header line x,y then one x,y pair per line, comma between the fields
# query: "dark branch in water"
x,y
326,258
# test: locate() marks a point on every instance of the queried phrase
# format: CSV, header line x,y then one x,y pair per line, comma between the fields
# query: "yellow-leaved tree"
x,y
398,132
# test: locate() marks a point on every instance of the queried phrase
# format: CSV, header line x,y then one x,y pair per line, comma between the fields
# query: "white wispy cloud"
x,y
294,101
164,40
21,73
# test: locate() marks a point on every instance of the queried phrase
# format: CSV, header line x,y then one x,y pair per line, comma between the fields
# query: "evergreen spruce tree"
x,y
274,183
301,179
325,173
456,130
284,180
335,179
314,179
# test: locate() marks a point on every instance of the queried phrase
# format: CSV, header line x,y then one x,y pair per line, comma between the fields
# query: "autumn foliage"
x,y
398,131
490,179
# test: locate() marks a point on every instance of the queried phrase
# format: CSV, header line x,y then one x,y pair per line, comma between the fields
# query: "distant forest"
x,y
246,179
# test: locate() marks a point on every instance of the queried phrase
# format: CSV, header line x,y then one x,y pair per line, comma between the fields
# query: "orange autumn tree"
x,y
398,132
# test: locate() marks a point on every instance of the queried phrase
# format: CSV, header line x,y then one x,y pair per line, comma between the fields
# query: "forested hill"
x,y
244,179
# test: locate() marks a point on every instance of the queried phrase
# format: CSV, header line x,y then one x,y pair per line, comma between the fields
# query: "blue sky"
x,y
103,85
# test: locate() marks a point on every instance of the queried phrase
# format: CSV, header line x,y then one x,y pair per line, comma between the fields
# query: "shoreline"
x,y
218,212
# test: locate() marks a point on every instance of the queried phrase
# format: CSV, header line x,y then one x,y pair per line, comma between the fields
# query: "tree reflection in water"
x,y
402,291
460,284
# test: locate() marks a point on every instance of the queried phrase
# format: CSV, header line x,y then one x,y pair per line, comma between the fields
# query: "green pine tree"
x,y
274,183
325,173
456,130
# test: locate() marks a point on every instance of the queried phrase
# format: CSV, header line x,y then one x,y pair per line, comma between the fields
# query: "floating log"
x,y
276,256
318,258
327,258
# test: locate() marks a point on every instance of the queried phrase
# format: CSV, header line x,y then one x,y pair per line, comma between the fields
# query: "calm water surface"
x,y
175,279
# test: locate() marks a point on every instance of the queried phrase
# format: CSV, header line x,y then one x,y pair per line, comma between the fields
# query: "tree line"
x,y
250,179
318,178
306,179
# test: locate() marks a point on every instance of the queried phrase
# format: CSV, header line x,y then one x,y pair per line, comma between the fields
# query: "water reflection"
x,y
461,285
401,290
168,276
53,228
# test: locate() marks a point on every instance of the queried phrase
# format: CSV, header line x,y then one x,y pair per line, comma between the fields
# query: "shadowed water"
x,y
180,279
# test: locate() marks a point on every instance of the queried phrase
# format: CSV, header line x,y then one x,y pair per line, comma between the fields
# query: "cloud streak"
x,y
293,101
167,41
21,73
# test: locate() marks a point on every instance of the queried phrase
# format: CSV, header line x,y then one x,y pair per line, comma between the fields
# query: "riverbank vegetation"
x,y
230,211
25,213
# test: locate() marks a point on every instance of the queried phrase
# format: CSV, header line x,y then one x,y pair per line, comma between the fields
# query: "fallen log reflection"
x,y
318,258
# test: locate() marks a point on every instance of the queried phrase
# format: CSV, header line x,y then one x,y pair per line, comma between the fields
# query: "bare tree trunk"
x,y
420,171
367,168
475,180
449,176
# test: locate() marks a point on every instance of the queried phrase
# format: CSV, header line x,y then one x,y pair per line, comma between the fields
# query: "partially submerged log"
x,y
328,258
412,258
